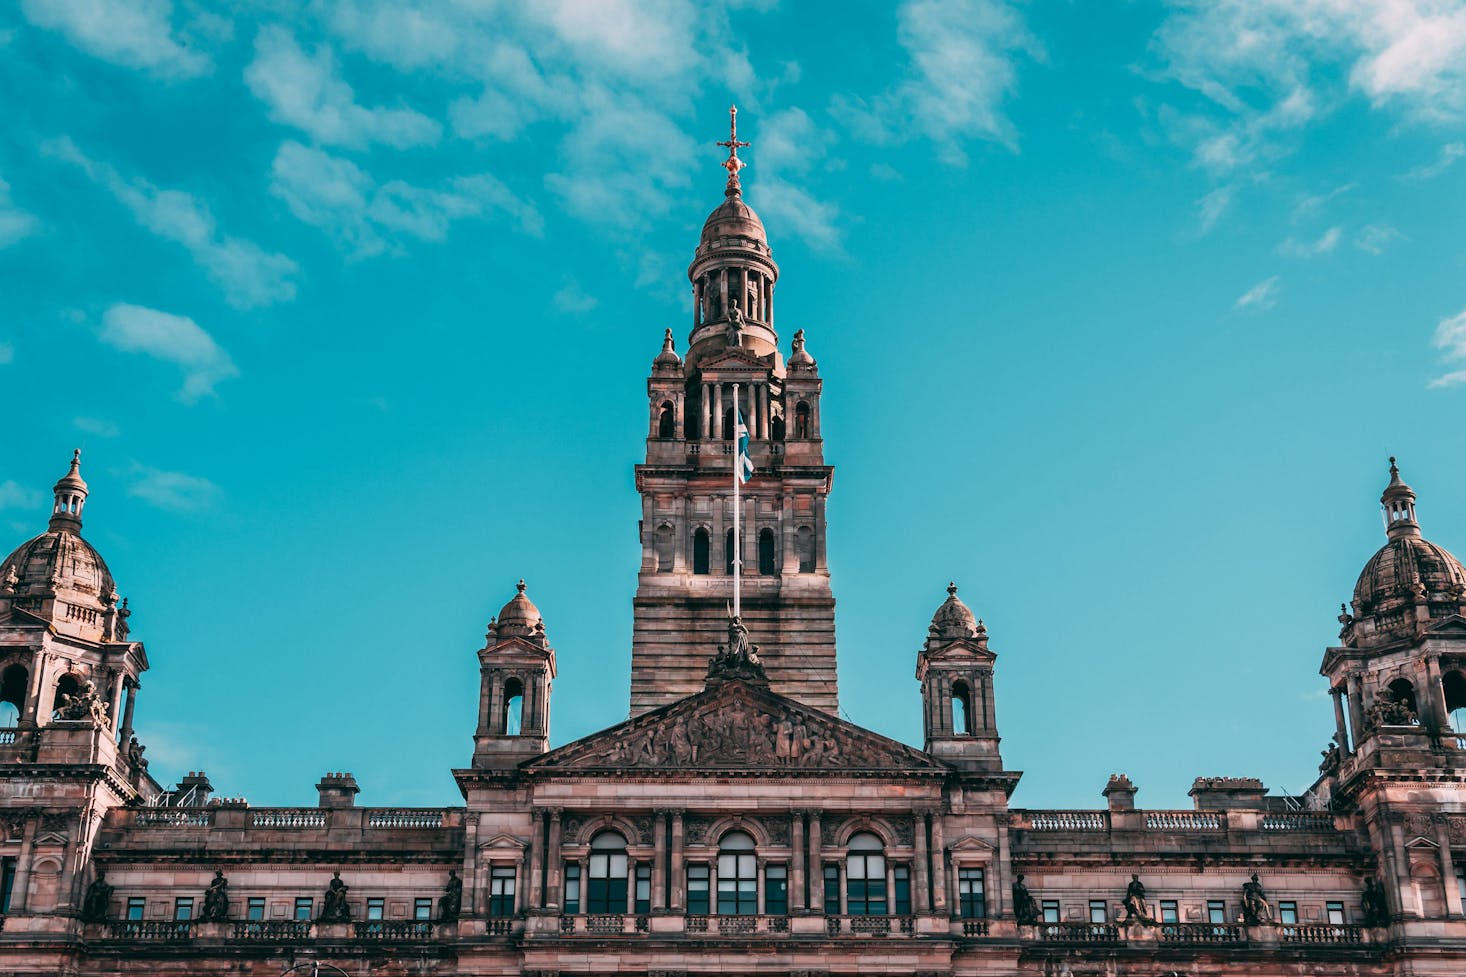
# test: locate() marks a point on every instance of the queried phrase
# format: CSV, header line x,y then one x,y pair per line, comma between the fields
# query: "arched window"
x,y
729,550
606,883
865,876
961,709
14,683
700,551
804,546
766,552
67,686
512,719
1453,684
665,547
1401,690
737,875
667,421
801,420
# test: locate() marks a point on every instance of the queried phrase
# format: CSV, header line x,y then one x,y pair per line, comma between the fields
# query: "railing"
x,y
869,925
161,930
1064,821
1202,933
1079,933
7,737
1184,820
404,819
606,924
499,926
394,929
696,924
746,925
1297,821
172,817
602,925
1331,933
272,929
287,818
974,927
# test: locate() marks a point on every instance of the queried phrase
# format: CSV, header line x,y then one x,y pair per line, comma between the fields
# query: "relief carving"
x,y
1456,829
1418,825
777,830
570,826
695,829
905,832
643,830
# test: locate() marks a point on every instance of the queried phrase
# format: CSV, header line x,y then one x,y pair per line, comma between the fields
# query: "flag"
x,y
744,467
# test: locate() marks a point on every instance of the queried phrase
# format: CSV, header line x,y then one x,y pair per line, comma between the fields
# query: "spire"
x,y
1398,504
71,495
733,164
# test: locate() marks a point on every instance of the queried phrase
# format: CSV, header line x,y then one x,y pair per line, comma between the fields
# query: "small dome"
x,y
519,616
800,356
1406,570
954,619
62,577
733,219
668,356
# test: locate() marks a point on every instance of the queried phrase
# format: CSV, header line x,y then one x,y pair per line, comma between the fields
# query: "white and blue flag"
x,y
744,465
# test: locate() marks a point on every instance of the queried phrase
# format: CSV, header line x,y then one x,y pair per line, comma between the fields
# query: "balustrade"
x,y
288,818
172,817
159,930
272,929
1297,821
394,929
1328,933
404,819
1079,933
1203,933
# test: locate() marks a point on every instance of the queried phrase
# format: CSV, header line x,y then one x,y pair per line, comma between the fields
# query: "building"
x,y
734,824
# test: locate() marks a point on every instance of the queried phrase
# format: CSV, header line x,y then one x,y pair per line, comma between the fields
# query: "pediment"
x,y
51,838
504,841
735,360
1454,625
738,726
962,649
969,844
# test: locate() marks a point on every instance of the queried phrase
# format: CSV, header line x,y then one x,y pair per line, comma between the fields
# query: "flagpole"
x,y
737,505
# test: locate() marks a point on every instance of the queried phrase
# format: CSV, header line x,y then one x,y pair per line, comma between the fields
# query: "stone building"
x,y
734,824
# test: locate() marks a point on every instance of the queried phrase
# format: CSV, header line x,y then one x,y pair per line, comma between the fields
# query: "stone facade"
x,y
734,824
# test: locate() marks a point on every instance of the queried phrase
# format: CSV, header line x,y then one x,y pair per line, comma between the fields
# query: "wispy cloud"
x,y
790,147
1324,244
573,300
174,339
1260,297
1450,152
99,426
13,495
249,275
1377,238
14,222
342,199
1312,205
305,90
1211,207
173,491
1450,339
130,33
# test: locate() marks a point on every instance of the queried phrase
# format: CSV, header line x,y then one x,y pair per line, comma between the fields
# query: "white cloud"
x,y
1376,238
1211,207
1325,244
1450,152
173,491
173,339
14,223
789,147
249,275
99,426
1308,207
1450,339
13,495
131,33
305,91
7,353
342,199
960,70
574,300
1260,297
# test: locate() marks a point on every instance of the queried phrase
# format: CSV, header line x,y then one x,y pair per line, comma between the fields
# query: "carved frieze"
x,y
1419,825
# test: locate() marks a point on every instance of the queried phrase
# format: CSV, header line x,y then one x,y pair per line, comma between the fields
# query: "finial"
x,y
668,345
76,460
520,586
951,588
733,164
1394,470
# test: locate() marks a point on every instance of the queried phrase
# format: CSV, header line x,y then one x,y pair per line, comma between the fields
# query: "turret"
x,y
516,671
955,668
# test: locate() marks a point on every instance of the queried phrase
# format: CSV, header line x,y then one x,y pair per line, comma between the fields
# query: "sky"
x,y
1120,309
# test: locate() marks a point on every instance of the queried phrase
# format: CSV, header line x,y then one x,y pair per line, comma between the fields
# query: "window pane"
x,y
1169,913
776,890
303,907
697,890
135,907
1216,911
1098,911
256,909
572,888
183,909
1051,910
902,896
374,909
832,890
1288,913
422,909
1336,913
971,894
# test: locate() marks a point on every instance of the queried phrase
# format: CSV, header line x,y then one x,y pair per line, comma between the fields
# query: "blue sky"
x,y
1120,309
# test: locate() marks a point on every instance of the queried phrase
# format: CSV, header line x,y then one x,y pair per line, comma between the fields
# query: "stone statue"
x,y
85,705
1136,911
216,900
1390,712
1331,758
11,583
735,322
97,903
1255,907
333,907
1373,905
121,629
135,754
738,647
738,659
451,902
1025,907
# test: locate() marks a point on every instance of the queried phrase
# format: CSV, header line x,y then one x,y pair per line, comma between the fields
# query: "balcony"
x,y
151,930
393,930
271,930
1104,933
870,925
1202,933
1332,934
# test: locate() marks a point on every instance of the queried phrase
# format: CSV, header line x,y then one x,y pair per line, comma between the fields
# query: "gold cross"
x,y
733,164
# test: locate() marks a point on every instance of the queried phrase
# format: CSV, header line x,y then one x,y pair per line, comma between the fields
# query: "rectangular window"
x,y
737,883
1461,880
971,894
1169,913
572,889
1288,913
501,891
254,909
135,907
7,883
901,897
832,889
776,890
1099,911
422,909
183,908
1336,913
1216,911
303,907
375,908
697,890
1050,908
643,889
605,890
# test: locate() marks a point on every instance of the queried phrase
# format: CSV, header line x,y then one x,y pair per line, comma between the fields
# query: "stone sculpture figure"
x,y
333,907
1255,907
97,903
1373,904
451,902
86,704
1136,910
135,754
216,900
1025,907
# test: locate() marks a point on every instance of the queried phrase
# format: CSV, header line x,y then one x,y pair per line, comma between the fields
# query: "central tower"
x,y
685,586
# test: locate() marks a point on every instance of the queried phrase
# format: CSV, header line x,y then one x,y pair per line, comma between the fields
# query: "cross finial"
x,y
733,164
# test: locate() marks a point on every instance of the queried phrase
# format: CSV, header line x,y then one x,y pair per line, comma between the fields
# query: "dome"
x,y
62,577
1407,570
519,615
954,619
668,356
733,219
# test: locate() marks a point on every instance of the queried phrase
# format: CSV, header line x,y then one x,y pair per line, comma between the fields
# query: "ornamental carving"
x,y
777,830
695,829
1419,825
905,832
644,830
570,826
1456,829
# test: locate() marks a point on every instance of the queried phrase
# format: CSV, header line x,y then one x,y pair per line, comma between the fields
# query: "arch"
x,y
1453,686
511,718
802,421
606,869
665,547
804,546
865,875
667,421
766,552
15,682
700,555
1402,690
68,684
863,825
737,875
961,709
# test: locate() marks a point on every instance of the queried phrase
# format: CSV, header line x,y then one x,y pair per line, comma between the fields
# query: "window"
x,y
1335,912
901,894
1050,910
1216,911
1288,913
183,908
7,883
1453,684
697,890
1099,911
375,909
971,895
1169,912
801,420
766,552
700,551
255,909
303,907
513,704
68,685
667,421
501,890
776,890
737,875
961,709
643,889
865,876
14,684
572,889
1461,880
832,889
135,906
606,876
422,909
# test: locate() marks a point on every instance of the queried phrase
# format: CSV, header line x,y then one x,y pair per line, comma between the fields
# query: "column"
x,y
816,865
723,286
679,874
1355,687
763,411
659,862
126,730
1343,730
921,900
681,536
790,562
32,710
554,885
820,527
696,304
718,432
540,829
22,882
771,304
707,412
796,862
939,866
1431,699
1448,868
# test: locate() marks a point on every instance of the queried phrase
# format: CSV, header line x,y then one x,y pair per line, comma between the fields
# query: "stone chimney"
x,y
1226,793
1120,793
194,790
338,790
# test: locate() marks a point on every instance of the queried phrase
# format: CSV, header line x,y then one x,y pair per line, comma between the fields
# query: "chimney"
x,y
338,790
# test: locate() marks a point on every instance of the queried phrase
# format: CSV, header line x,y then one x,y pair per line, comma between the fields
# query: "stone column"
x,y
32,709
20,890
696,304
718,432
796,862
707,412
763,411
553,882
1342,733
939,865
790,563
679,874
819,533
540,827
126,730
723,286
816,865
1431,699
1448,867
1356,705
921,900
659,861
